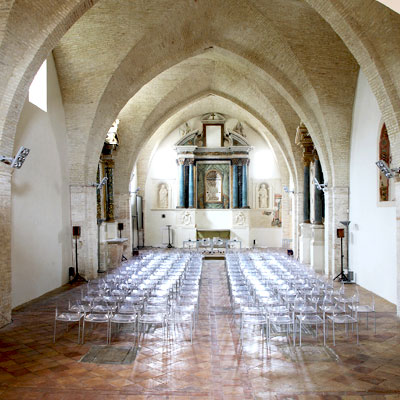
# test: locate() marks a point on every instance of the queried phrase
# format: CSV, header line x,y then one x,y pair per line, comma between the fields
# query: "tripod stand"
x,y
169,237
341,276
77,277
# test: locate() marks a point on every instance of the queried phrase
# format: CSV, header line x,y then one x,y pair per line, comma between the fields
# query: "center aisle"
x,y
229,378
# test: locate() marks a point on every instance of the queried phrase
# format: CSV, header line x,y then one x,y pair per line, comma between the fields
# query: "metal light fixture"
x,y
320,186
287,190
18,160
98,186
386,170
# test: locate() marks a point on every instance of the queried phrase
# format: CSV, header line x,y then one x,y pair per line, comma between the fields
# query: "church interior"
x,y
232,166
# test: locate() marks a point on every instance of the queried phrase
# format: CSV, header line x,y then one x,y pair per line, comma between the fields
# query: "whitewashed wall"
x,y
41,233
163,169
373,224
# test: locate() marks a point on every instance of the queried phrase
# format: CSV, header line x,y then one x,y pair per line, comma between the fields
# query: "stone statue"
x,y
163,196
185,129
263,196
239,129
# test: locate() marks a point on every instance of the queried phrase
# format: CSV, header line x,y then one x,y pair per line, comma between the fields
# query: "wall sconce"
x,y
135,191
98,186
287,190
320,186
18,160
386,170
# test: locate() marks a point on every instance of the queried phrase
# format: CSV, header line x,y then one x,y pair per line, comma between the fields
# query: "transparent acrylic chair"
x,y
123,318
68,317
309,318
180,315
253,317
365,308
343,319
100,314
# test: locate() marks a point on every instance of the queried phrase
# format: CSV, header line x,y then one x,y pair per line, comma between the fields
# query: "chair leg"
x,y
357,330
300,333
54,333
333,332
79,331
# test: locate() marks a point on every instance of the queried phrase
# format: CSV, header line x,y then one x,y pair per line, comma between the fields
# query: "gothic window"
x,y
384,154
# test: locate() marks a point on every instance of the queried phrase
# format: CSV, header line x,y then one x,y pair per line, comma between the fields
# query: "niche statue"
x,y
163,196
263,196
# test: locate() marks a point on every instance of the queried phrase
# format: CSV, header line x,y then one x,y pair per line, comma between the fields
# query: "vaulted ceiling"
x,y
143,61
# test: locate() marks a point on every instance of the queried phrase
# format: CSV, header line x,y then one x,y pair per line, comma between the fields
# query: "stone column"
x,y
304,140
191,184
109,173
235,194
318,194
181,203
83,214
317,250
306,192
244,184
5,244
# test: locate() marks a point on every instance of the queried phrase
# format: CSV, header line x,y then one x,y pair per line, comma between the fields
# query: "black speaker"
x,y
120,226
340,233
76,231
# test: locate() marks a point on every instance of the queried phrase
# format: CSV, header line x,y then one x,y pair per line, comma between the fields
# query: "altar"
x,y
213,233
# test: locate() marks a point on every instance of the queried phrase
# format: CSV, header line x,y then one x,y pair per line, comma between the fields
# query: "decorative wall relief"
x,y
186,219
163,196
240,219
213,184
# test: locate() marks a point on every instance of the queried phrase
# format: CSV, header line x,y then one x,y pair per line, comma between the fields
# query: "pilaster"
x,y
122,214
5,244
397,193
336,210
304,243
83,214
317,248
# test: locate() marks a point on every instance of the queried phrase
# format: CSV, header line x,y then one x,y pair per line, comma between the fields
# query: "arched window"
x,y
384,154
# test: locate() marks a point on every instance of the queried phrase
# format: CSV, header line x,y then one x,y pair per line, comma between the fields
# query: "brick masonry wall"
x,y
283,65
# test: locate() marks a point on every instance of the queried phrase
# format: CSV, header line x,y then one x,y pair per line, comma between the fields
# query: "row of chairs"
x,y
279,295
159,289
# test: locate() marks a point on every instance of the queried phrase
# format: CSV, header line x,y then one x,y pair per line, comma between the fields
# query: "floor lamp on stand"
x,y
76,233
341,277
121,228
169,237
